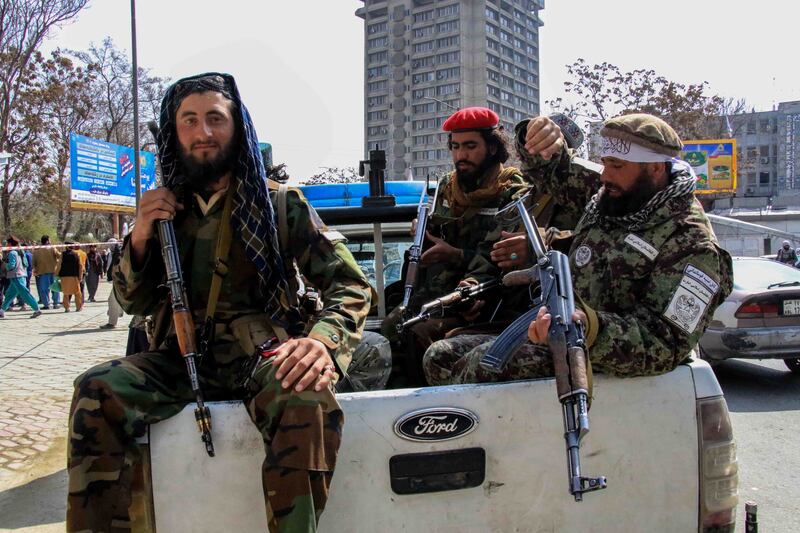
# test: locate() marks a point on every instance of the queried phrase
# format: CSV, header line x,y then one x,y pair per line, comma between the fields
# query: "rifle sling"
x,y
224,238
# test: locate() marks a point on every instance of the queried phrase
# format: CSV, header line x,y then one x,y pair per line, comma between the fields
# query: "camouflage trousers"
x,y
457,360
115,401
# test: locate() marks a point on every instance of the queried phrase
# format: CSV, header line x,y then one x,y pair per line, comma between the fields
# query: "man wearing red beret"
x,y
464,214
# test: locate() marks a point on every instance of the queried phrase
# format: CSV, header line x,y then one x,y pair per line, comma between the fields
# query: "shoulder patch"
x,y
642,246
445,203
333,236
690,300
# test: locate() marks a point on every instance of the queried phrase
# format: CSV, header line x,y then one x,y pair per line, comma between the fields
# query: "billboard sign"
x,y
103,176
714,162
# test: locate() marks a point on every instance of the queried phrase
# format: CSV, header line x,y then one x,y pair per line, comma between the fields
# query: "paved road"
x,y
40,358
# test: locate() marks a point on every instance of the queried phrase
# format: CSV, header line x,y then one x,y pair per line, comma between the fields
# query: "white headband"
x,y
628,151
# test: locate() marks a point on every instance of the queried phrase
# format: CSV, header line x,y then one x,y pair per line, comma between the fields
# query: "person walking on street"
x,y
114,311
94,270
16,272
70,270
44,268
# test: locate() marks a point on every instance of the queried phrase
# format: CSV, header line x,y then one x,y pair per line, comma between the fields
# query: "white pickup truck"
x,y
473,458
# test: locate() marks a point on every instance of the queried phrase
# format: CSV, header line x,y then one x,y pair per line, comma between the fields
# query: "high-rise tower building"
x,y
424,59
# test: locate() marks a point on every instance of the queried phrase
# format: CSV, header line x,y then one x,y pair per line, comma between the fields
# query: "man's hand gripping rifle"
x,y
461,295
415,251
566,343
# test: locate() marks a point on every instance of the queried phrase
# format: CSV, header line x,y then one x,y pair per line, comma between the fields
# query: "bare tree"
x,y
24,24
334,175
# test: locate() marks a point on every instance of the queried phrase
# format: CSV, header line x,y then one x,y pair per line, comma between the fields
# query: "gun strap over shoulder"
x,y
283,235
224,238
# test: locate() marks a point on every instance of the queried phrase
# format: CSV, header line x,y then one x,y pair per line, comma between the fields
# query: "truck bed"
x,y
643,439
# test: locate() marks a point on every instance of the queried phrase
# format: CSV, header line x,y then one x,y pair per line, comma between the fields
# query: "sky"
x,y
299,64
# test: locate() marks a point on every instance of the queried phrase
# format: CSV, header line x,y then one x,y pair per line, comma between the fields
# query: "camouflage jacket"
x,y
465,232
648,295
321,257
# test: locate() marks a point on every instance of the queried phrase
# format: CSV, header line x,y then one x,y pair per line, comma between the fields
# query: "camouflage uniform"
x,y
649,290
465,231
115,401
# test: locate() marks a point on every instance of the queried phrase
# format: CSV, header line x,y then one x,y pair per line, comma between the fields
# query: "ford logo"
x,y
435,424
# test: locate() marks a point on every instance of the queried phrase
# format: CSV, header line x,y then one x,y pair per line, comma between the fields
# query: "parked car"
x,y
760,319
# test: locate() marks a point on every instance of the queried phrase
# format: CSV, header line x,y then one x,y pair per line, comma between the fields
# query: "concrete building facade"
x,y
423,59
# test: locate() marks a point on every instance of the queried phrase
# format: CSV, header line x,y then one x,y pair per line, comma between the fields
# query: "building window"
x,y
491,44
378,57
450,88
375,101
378,27
423,16
377,130
422,62
378,72
493,60
448,57
378,42
377,85
419,94
491,90
423,32
421,140
447,27
493,75
447,11
447,42
763,178
491,30
427,46
377,115
491,14
422,77
448,73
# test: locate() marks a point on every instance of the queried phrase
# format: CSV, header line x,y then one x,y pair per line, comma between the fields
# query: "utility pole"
x,y
135,78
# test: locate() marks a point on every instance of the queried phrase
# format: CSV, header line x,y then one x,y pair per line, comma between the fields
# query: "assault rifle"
x,y
415,251
567,346
460,295
182,317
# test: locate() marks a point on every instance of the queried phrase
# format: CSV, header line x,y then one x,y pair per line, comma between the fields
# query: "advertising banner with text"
x,y
714,162
103,176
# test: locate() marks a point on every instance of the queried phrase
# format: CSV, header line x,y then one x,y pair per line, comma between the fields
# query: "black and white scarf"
x,y
683,182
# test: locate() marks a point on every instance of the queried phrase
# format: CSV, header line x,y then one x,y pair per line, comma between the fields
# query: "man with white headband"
x,y
647,270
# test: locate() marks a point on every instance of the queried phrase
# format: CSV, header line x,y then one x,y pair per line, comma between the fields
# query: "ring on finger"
x,y
513,256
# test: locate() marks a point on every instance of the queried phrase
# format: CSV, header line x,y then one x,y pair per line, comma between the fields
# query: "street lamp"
x,y
441,102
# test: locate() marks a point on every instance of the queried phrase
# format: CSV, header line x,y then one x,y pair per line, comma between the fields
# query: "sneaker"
x,y
107,326
66,310
36,314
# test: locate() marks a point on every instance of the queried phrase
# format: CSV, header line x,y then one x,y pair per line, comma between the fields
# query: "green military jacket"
x,y
321,257
466,232
649,294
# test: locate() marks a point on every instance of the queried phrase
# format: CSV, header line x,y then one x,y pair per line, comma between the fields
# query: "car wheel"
x,y
793,364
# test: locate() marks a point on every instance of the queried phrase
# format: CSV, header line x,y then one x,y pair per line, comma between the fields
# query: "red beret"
x,y
471,119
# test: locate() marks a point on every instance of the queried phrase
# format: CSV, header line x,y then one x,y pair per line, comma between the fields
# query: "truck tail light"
x,y
719,477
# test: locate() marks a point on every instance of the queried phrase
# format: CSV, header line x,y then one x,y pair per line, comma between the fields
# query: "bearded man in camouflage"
x,y
466,203
647,270
214,176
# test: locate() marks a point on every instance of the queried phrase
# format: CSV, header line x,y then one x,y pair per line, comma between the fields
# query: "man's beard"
x,y
201,174
631,201
470,177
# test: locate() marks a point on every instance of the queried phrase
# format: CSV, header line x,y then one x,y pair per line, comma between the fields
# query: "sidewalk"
x,y
39,359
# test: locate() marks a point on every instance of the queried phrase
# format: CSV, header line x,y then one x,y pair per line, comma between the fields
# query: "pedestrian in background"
x,y
114,310
44,268
16,273
786,254
82,257
94,270
70,270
